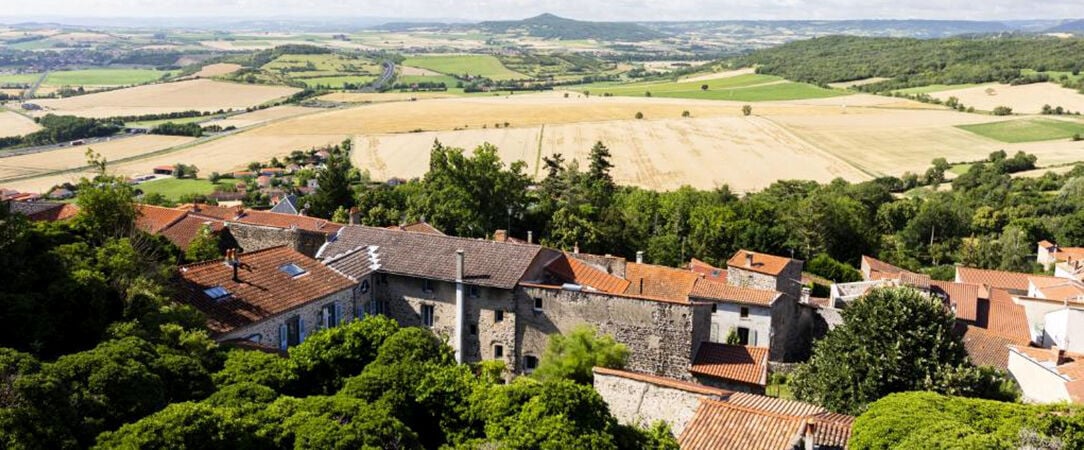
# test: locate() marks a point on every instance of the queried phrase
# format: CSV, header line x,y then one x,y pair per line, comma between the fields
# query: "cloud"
x,y
580,9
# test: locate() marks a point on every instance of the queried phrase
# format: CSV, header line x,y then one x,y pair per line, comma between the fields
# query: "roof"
x,y
964,296
1003,317
915,280
1070,366
664,382
660,281
707,270
417,227
264,218
263,291
288,205
774,405
153,219
832,430
876,265
39,211
1013,281
722,425
739,363
1058,288
716,291
762,263
575,271
986,348
431,256
185,230
356,263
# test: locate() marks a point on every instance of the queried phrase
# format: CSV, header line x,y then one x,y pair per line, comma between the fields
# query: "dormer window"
x,y
217,293
292,270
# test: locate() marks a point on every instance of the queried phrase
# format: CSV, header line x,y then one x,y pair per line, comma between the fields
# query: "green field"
x,y
745,88
20,78
481,65
1026,130
330,63
103,77
174,189
336,82
411,79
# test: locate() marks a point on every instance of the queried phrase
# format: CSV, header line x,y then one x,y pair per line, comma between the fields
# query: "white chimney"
x,y
460,308
748,259
530,237
639,257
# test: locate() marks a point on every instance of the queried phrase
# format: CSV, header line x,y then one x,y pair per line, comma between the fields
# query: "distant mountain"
x,y
549,26
804,29
1072,26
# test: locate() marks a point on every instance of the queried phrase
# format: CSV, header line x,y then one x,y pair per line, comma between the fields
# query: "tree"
x,y
1002,111
106,208
186,425
639,115
335,185
703,87
732,337
686,113
573,356
867,357
329,356
204,247
746,110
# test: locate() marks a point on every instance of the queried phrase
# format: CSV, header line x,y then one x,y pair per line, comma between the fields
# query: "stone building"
x,y
257,230
273,297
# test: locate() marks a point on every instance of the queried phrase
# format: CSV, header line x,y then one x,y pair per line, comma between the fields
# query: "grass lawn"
x,y
20,78
103,77
745,88
174,189
484,65
1026,130
960,169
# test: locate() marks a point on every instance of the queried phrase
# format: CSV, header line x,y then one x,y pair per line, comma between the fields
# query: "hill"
x,y
549,26
1072,26
910,62
803,29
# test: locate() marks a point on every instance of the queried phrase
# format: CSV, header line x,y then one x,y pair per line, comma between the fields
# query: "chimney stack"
x,y
576,248
460,308
530,237
231,260
355,216
639,257
748,259
500,236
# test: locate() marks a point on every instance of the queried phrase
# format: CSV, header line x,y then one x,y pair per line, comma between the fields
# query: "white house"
x,y
1047,375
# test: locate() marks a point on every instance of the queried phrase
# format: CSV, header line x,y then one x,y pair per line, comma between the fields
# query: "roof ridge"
x,y
445,236
727,403
342,255
239,255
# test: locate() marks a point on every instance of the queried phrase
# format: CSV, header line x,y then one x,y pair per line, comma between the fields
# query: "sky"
x,y
603,10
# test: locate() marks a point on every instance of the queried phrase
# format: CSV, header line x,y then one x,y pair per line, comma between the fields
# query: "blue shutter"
x,y
338,314
283,336
325,316
300,330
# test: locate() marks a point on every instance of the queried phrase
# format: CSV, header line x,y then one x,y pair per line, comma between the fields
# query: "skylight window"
x,y
217,293
292,269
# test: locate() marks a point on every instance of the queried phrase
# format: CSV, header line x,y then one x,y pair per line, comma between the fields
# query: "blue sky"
x,y
579,9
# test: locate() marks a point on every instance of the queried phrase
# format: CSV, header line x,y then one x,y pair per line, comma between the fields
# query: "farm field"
x,y
373,97
75,157
1027,130
935,88
19,78
262,116
328,70
182,120
214,70
337,82
745,88
201,95
1027,99
482,65
13,124
853,83
103,77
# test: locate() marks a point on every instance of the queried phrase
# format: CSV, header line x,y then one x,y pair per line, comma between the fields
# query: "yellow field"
x,y
262,116
74,157
361,97
1027,99
202,95
12,124
214,70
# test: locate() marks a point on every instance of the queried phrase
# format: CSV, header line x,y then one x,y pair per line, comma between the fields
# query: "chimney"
x,y
500,236
231,260
748,259
460,308
195,205
576,248
639,257
530,237
641,286
355,216
809,433
240,210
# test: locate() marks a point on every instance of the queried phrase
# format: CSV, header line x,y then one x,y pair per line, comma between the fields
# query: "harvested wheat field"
x,y
214,70
46,163
372,97
12,124
262,116
202,95
746,153
1027,99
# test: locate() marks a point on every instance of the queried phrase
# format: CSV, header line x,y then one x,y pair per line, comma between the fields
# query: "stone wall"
x,y
266,332
658,334
613,265
254,237
640,403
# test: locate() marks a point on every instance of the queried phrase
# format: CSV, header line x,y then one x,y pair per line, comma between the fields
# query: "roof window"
x,y
217,293
292,270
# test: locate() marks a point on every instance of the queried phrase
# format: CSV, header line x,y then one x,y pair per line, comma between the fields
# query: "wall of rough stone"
x,y
309,313
613,265
659,335
253,237
639,403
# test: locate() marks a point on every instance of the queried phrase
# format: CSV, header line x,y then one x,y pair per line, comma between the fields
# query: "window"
x,y
743,336
427,285
714,307
292,270
474,291
498,351
473,329
330,315
530,363
744,312
291,332
538,303
427,315
217,293
714,332
498,316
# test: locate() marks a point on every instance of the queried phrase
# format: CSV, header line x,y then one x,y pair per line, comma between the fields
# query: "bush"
x,y
639,115
1002,111
831,269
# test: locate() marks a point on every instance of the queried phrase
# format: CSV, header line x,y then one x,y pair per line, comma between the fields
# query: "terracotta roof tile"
x,y
1058,288
832,430
1001,316
774,405
877,265
739,363
964,296
707,270
417,227
664,382
264,290
721,425
762,263
1012,281
185,230
986,348
575,271
659,281
432,256
154,219
356,263
263,218
39,211
716,291
915,280
1070,366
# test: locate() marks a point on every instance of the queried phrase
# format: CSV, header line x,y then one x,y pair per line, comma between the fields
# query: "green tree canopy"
x,y
572,356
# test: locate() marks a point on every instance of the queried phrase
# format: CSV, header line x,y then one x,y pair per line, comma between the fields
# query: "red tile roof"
x,y
1012,281
658,281
876,265
185,230
417,227
154,219
263,218
986,348
664,382
739,363
762,263
832,430
716,291
263,291
1001,316
774,405
572,270
707,270
1069,365
1060,289
719,425
964,296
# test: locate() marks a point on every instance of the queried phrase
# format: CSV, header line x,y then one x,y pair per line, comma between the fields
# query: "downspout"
x,y
460,308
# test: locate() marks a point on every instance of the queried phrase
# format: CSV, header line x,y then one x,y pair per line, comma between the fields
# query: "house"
x,y
709,418
288,205
1050,254
263,181
255,230
164,170
61,194
747,312
733,367
273,297
1048,375
41,211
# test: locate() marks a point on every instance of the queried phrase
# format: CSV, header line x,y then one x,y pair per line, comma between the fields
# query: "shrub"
x,y
639,115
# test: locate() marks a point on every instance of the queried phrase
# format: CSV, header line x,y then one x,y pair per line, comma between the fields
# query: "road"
x,y
389,73
59,146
